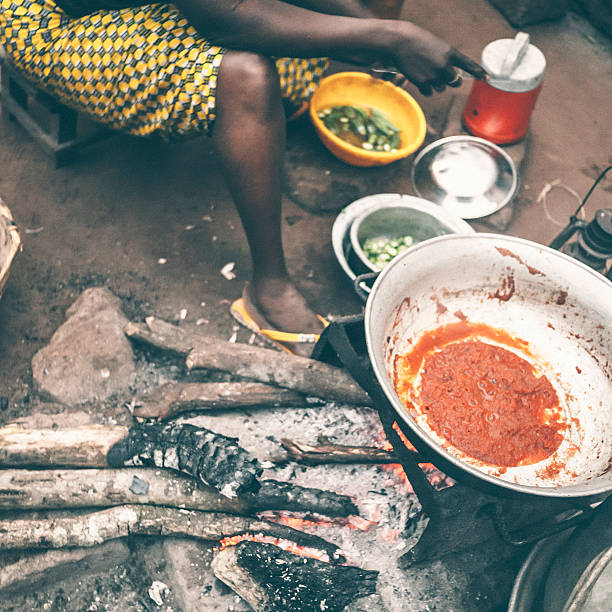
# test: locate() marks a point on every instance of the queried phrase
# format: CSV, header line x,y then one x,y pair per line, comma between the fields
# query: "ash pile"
x,y
163,469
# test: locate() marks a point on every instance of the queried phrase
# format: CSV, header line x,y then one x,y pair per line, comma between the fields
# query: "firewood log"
x,y
270,579
75,447
101,488
93,528
301,374
174,398
284,495
333,453
88,488
214,459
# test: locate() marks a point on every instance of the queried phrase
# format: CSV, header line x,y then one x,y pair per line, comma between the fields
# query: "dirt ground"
x,y
109,217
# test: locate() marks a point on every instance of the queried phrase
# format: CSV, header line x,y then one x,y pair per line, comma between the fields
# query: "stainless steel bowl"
x,y
417,218
467,176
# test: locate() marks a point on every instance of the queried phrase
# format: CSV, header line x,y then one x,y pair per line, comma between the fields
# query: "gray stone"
x,y
43,569
88,358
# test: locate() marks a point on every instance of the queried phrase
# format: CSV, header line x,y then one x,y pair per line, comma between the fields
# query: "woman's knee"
x,y
248,80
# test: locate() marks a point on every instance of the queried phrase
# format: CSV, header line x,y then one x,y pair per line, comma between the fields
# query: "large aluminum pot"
x,y
562,308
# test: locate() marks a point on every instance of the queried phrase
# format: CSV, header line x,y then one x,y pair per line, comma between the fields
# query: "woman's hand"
x,y
427,61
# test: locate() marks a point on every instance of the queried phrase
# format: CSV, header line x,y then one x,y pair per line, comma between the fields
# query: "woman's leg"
x,y
249,134
142,88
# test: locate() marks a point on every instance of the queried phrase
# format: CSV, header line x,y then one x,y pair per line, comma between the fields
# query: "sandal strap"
x,y
291,337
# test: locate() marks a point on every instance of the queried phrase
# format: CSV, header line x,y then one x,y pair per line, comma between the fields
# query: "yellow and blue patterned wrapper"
x,y
142,70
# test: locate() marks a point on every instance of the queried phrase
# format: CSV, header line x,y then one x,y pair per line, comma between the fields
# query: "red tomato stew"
x,y
483,399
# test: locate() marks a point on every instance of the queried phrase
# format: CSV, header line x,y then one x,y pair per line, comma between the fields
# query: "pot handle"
x,y
363,284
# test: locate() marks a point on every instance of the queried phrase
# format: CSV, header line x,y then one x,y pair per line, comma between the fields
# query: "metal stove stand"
x,y
468,513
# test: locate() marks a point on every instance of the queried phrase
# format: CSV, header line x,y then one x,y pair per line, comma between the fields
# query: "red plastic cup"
x,y
499,116
500,109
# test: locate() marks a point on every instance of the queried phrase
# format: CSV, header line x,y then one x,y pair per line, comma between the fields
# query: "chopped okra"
x,y
381,250
368,129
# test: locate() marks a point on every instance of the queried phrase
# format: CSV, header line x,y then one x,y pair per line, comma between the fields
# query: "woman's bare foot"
x,y
284,307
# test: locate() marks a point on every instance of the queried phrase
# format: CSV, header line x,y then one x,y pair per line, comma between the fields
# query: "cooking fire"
x,y
347,519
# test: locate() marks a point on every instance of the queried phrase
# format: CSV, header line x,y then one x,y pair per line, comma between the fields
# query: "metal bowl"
x,y
417,218
468,176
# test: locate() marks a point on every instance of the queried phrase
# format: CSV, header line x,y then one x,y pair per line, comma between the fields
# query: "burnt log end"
x,y
287,496
216,460
271,579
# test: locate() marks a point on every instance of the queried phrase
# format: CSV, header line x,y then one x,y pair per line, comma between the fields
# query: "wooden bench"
x,y
59,130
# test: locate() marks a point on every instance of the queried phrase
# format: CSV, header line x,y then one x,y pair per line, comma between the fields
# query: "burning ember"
x,y
301,523
292,547
403,437
439,480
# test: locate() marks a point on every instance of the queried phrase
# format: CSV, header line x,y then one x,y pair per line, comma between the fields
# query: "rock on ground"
x,y
88,358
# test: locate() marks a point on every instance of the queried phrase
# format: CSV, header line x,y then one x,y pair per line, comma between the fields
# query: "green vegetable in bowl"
x,y
382,249
365,128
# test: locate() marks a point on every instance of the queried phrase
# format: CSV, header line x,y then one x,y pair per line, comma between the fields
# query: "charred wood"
x,y
100,488
216,460
333,453
273,580
174,398
301,374
212,458
95,528
286,496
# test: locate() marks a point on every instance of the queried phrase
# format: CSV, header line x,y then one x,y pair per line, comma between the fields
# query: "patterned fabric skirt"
x,y
142,70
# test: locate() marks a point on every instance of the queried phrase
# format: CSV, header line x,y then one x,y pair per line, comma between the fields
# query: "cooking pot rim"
x,y
595,487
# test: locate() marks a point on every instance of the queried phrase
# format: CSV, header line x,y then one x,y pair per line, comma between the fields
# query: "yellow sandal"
x,y
245,312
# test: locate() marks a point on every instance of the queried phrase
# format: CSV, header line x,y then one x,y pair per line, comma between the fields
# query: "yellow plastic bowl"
x,y
358,88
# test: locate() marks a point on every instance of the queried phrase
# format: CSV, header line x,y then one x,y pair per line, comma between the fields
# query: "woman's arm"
x,y
348,8
277,28
274,27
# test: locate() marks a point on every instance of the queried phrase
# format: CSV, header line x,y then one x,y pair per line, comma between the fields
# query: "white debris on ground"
x,y
228,270
157,591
